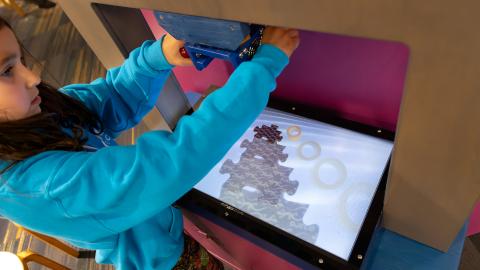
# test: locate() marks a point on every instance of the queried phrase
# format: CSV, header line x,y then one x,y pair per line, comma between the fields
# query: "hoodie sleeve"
x,y
121,186
128,92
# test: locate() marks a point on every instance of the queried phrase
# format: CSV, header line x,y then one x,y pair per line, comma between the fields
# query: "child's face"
x,y
18,85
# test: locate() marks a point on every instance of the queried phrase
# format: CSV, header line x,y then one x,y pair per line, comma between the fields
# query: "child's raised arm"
x,y
121,186
130,91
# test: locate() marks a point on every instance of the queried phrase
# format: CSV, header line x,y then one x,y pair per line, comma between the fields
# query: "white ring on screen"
x,y
359,188
294,133
338,165
316,147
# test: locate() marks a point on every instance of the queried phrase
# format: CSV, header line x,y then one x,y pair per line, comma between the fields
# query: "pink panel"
x,y
210,245
246,254
360,79
356,78
474,226
157,30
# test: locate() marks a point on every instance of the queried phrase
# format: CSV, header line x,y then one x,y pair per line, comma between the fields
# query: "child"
x,y
60,179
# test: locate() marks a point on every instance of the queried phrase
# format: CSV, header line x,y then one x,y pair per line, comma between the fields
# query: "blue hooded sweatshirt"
x,y
117,199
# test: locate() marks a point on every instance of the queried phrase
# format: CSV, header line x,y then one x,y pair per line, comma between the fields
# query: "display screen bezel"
x,y
199,201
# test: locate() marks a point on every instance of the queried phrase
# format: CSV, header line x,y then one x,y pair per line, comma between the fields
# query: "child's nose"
x,y
31,79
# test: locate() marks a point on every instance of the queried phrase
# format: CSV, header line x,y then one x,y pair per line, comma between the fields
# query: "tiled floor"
x,y
56,50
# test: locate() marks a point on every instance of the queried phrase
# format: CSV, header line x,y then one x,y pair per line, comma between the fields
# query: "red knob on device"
x,y
184,53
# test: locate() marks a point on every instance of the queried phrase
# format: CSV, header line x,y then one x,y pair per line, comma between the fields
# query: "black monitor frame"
x,y
269,236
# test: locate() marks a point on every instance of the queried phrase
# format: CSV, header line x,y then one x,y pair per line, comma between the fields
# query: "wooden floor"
x,y
56,50
14,240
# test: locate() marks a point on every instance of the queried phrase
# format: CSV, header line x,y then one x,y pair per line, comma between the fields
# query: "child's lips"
x,y
36,100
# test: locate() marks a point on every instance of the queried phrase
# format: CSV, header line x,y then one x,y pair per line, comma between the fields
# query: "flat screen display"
x,y
310,179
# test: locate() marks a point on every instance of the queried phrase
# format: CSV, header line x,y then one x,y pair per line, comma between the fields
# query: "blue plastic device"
x,y
206,38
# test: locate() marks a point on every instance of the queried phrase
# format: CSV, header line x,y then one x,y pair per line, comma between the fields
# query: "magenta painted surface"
x,y
208,242
157,31
242,254
359,79
474,225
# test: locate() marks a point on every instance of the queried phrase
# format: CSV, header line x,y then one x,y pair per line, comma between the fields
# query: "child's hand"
x,y
171,50
285,39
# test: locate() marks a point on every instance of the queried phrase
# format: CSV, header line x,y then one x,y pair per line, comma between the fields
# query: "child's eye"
x,y
8,72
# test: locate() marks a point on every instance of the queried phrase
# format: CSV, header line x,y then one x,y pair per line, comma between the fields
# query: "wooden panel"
x,y
434,175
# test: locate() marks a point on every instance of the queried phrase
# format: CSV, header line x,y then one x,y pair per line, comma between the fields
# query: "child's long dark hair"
x,y
21,139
